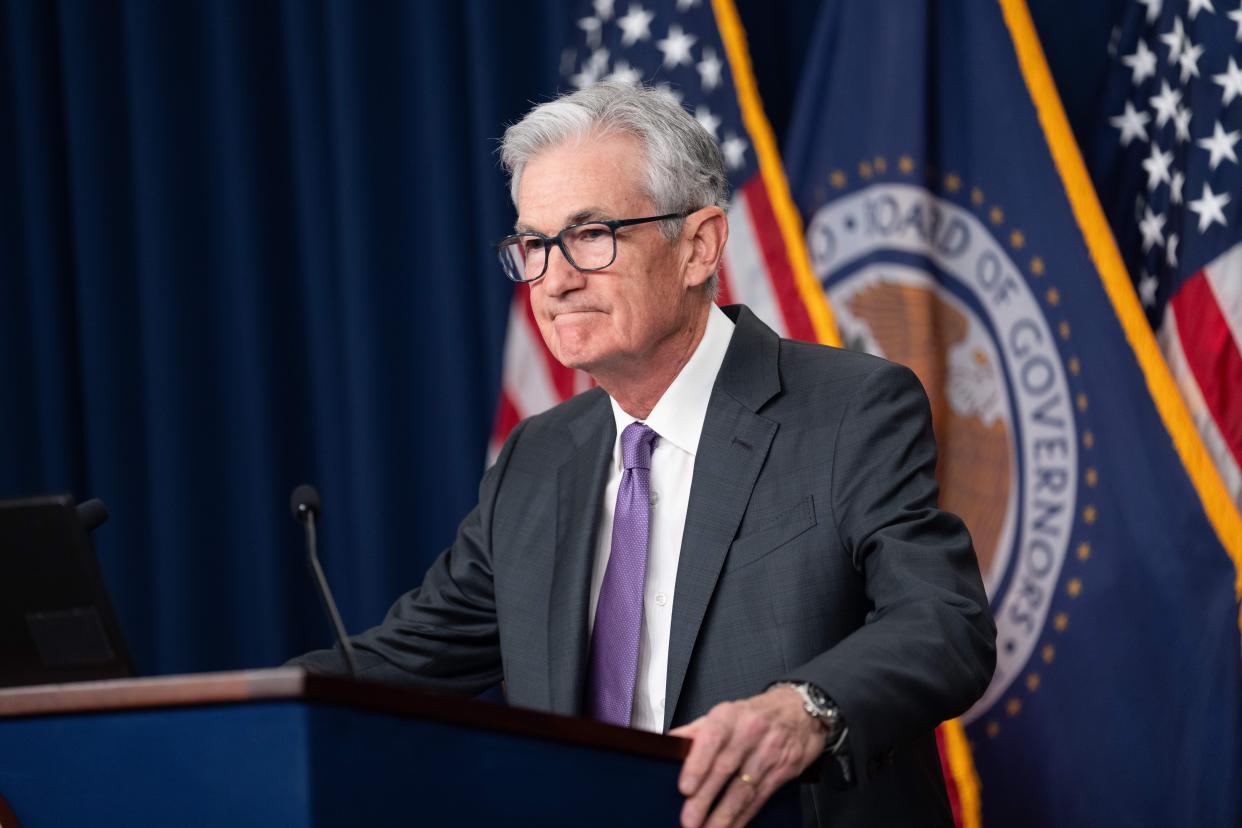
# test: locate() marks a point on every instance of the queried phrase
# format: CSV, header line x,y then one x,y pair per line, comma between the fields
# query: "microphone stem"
x,y
325,595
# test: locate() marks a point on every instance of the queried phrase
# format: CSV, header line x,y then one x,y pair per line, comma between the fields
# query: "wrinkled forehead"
x,y
595,176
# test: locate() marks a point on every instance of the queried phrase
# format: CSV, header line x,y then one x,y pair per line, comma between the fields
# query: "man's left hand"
x,y
752,746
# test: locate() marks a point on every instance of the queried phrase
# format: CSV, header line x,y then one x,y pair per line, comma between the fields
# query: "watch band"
x,y
822,709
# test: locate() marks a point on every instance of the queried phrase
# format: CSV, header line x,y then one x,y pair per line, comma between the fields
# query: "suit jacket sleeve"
x,y
927,649
443,634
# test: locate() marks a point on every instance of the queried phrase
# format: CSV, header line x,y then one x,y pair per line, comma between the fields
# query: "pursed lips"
x,y
574,312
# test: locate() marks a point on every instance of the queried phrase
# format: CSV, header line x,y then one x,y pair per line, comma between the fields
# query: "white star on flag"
x,y
734,149
1200,5
1171,256
1209,207
635,25
709,69
1220,145
1165,103
1236,17
592,69
1147,289
676,47
584,78
603,9
1142,63
625,73
1175,187
1157,166
1189,61
1175,40
1150,227
1132,123
1153,9
1230,82
593,27
1181,124
686,5
710,122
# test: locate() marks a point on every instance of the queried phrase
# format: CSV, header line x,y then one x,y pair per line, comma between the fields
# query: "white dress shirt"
x,y
678,420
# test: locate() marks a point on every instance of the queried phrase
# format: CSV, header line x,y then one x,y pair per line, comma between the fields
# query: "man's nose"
x,y
561,277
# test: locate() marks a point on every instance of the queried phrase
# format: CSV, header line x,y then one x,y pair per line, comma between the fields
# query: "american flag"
x,y
697,51
1167,169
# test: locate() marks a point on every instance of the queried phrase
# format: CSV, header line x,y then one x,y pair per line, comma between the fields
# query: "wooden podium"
x,y
284,748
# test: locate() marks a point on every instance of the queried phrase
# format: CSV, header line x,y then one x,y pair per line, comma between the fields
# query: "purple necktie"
x,y
619,611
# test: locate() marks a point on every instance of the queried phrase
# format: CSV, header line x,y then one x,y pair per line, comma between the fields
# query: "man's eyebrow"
x,y
585,214
589,214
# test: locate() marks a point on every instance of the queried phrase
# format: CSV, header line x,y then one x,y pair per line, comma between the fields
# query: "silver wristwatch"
x,y
823,710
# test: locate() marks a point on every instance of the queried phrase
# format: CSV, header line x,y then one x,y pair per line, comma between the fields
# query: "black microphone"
x,y
92,513
305,505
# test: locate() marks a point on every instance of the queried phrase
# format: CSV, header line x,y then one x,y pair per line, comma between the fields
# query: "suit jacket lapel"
x,y
580,486
732,450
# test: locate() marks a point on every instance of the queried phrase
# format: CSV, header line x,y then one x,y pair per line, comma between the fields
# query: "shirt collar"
x,y
678,416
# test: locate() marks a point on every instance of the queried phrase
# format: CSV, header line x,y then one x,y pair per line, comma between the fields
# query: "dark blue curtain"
x,y
245,245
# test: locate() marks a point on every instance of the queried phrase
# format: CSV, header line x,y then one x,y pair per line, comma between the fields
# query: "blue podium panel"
x,y
243,764
280,748
368,772
295,764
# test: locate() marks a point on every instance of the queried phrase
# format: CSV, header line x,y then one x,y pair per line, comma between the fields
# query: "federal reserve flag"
x,y
951,223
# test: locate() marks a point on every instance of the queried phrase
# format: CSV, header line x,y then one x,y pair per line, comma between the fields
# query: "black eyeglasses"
x,y
591,245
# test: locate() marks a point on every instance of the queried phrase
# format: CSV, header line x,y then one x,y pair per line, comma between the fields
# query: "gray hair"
x,y
685,169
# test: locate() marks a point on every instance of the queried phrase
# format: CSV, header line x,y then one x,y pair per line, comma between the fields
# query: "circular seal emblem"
x,y
921,281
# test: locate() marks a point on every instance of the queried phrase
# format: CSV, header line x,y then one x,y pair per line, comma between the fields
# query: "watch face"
x,y
817,696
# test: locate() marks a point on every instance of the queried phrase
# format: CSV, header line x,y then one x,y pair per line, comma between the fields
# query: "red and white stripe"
x,y
756,272
757,265
1201,337
531,379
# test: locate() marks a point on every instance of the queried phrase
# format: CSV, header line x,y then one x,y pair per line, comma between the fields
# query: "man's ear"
x,y
706,232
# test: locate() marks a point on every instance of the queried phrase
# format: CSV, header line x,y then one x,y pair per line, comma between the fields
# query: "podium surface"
x,y
285,748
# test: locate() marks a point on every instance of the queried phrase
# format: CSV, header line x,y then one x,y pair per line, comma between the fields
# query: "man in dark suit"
x,y
734,536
